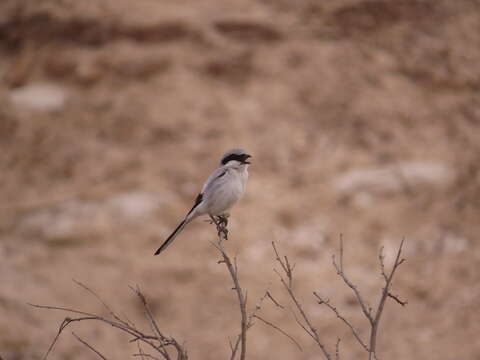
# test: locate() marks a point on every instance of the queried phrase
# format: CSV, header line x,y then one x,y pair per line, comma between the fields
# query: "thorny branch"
x,y
288,285
337,349
221,224
372,316
385,291
89,346
157,342
266,322
247,321
367,311
342,318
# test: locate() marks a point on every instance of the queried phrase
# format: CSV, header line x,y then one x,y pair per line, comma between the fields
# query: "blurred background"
x,y
363,119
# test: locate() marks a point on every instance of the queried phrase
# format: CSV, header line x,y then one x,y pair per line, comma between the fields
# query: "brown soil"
x,y
363,118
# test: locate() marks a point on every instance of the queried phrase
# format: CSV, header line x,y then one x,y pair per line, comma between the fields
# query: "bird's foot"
x,y
221,223
223,231
223,219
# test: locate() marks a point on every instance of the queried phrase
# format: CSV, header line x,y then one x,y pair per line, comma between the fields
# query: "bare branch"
x,y
385,294
118,323
397,299
221,225
337,349
309,328
366,311
279,330
373,317
381,259
153,324
274,301
62,326
230,343
89,346
355,333
142,355
341,253
110,311
140,351
285,265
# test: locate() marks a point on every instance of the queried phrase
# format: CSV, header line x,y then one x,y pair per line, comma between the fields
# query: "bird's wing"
x,y
212,180
198,200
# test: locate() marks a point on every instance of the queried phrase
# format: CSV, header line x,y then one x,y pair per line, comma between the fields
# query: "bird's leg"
x,y
222,225
212,220
224,219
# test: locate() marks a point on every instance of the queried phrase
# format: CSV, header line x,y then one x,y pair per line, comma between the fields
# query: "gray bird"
x,y
224,187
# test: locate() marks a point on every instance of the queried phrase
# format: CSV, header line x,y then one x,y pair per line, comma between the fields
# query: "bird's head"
x,y
236,157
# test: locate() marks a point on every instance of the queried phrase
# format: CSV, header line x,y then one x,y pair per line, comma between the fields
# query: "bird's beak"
x,y
245,157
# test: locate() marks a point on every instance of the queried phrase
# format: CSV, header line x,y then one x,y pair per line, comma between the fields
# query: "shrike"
x,y
224,187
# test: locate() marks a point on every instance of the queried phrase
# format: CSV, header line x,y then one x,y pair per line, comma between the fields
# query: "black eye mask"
x,y
239,157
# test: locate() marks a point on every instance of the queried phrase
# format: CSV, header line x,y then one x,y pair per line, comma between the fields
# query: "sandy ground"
x,y
363,118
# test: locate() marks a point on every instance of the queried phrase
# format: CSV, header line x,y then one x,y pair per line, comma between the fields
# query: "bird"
x,y
223,188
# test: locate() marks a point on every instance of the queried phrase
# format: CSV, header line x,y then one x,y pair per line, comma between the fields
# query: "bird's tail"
x,y
172,236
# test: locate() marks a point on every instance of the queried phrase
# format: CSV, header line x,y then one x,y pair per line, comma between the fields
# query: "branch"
x,y
321,301
279,330
337,349
397,299
274,301
89,346
309,328
118,323
142,355
221,225
339,267
385,294
373,318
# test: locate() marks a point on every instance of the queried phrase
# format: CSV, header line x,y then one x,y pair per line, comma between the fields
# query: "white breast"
x,y
229,191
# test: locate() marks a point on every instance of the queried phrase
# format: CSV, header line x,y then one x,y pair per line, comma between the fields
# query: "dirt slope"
x,y
363,118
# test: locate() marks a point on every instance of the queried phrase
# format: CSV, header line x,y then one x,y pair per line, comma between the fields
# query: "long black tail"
x,y
171,237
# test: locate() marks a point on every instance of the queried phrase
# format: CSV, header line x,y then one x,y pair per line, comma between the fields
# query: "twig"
x,y
153,324
118,323
142,355
279,330
286,269
337,349
385,291
397,299
339,268
309,328
321,301
98,298
373,317
63,325
233,270
89,346
274,301
140,351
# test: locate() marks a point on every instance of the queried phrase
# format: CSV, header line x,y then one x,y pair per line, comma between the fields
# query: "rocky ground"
x,y
363,118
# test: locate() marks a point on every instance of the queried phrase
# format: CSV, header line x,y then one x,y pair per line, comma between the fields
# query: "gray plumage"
x,y
223,188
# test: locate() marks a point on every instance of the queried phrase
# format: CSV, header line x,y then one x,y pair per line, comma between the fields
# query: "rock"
x,y
42,97
393,178
72,220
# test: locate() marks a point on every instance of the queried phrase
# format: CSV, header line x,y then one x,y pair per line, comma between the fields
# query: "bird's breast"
x,y
226,195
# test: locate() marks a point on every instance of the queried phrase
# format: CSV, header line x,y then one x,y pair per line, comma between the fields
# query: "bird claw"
x,y
223,231
221,223
223,220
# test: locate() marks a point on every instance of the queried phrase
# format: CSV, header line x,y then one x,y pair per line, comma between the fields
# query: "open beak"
x,y
245,157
